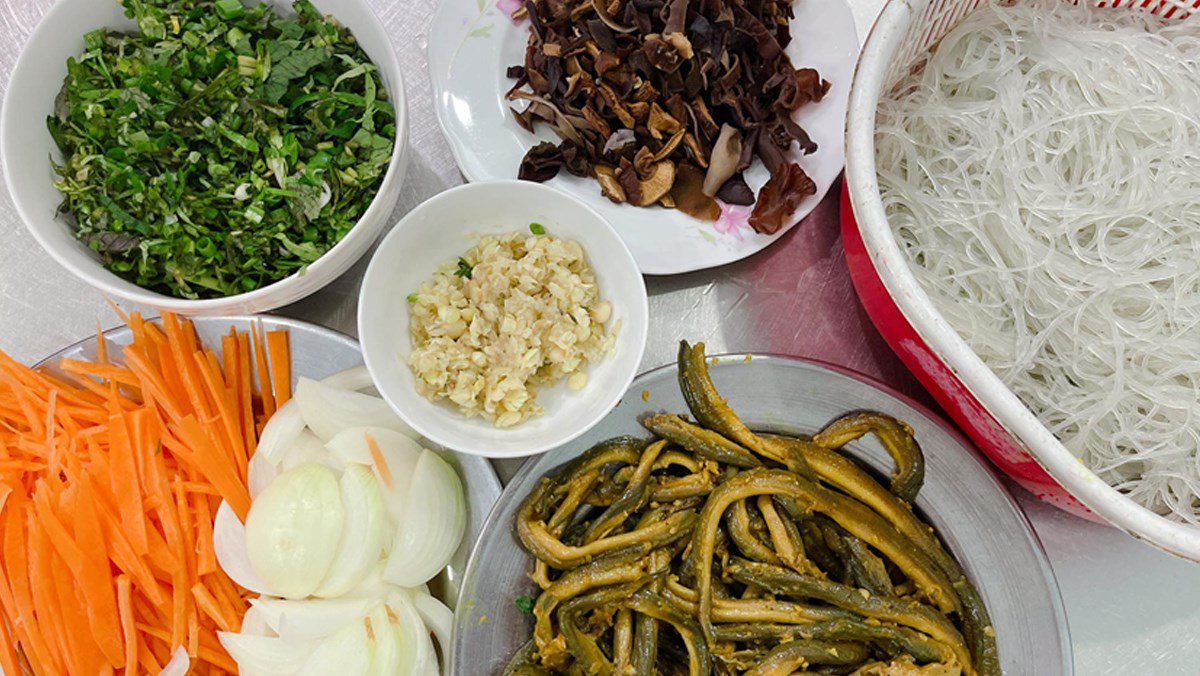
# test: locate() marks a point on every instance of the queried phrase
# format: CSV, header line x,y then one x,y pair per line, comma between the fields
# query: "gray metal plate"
x,y
972,511
316,353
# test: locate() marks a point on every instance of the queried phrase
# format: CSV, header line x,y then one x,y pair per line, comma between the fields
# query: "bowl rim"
x,y
106,282
892,269
531,465
635,316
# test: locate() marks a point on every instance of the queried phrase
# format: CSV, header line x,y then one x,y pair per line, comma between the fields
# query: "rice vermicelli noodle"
x,y
1041,170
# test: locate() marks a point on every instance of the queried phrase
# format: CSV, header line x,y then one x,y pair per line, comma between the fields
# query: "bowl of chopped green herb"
x,y
206,156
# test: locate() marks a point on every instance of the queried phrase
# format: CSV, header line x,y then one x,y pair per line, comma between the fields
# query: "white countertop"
x,y
1132,609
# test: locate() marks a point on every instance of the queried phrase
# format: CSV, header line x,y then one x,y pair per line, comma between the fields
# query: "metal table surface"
x,y
1132,609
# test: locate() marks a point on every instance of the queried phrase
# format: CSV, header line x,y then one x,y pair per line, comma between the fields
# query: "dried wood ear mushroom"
x,y
668,102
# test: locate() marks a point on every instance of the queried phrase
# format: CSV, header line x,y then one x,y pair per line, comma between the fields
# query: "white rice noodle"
x,y
1041,169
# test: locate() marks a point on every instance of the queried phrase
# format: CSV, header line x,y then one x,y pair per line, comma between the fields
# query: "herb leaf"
x,y
537,228
464,269
524,604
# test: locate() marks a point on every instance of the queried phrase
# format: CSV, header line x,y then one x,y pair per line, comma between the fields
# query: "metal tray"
x,y
972,511
316,353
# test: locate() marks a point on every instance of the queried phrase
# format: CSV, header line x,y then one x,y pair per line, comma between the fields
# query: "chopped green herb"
x,y
412,297
537,229
464,269
220,147
525,604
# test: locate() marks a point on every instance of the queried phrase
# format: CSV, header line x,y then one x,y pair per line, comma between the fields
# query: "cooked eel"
x,y
716,549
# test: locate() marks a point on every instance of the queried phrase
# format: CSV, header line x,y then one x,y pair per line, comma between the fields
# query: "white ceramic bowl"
x,y
443,228
26,149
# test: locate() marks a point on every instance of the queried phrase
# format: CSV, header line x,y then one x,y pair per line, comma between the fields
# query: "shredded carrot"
x,y
128,630
385,472
281,365
109,479
264,375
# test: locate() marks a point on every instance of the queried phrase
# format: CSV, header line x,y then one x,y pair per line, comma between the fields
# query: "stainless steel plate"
x,y
971,510
316,353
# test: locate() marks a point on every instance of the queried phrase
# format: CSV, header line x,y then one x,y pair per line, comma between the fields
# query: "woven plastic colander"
x,y
997,421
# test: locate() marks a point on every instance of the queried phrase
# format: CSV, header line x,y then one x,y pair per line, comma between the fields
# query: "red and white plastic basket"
x,y
966,388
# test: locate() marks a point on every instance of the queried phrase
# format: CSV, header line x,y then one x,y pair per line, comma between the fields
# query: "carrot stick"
x,y
8,651
206,557
206,602
281,366
385,472
193,634
226,409
94,579
125,473
208,650
128,630
246,385
207,461
261,366
146,657
48,616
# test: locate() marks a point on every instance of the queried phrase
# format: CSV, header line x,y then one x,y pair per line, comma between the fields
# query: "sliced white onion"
x,y
389,654
254,622
349,651
308,447
432,524
229,543
328,410
372,585
415,643
399,452
361,544
259,474
354,379
293,528
179,664
436,615
308,619
265,655
280,432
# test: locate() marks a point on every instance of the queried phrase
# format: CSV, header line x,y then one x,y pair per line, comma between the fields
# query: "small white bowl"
x,y
442,229
26,149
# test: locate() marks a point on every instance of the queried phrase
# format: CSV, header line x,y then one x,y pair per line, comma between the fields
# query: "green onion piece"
x,y
537,229
412,297
229,9
464,269
524,604
94,39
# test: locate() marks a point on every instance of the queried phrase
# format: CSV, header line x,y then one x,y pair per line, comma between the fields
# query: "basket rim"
x,y
879,48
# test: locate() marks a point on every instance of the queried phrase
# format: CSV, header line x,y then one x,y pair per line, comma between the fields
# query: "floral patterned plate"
x,y
472,43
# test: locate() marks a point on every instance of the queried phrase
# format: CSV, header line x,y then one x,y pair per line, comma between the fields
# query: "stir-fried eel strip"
x,y
753,610
905,613
889,638
863,567
581,647
850,514
738,519
896,438
795,655
613,570
623,639
704,443
712,411
654,606
714,549
842,473
636,495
